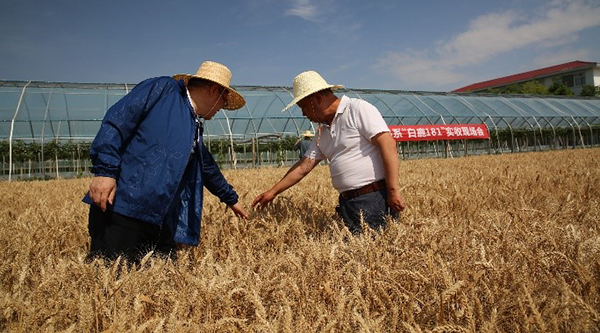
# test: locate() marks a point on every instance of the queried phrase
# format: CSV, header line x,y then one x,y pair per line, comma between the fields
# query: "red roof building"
x,y
574,75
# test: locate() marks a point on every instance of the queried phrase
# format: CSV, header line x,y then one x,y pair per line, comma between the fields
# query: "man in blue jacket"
x,y
150,165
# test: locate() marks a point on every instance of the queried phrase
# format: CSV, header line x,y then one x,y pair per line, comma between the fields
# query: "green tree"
x,y
589,90
32,151
558,88
4,148
534,88
51,150
288,142
19,151
492,91
512,89
68,150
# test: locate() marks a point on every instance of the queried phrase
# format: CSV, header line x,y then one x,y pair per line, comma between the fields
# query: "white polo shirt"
x,y
353,160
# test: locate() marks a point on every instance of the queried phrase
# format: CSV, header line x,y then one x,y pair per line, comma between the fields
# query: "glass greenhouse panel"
x,y
37,129
241,126
91,127
243,113
466,120
6,114
300,125
498,122
386,104
560,121
543,108
111,99
592,120
4,130
591,104
9,99
424,110
404,106
216,127
52,129
436,105
293,111
21,130
74,110
458,107
278,125
57,108
503,108
34,105
527,108
393,120
422,120
24,113
86,104
81,129
261,104
572,107
485,109
83,114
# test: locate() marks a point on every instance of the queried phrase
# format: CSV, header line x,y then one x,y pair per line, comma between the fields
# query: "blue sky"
x,y
427,45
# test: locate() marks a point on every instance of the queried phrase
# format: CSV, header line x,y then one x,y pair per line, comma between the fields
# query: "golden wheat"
x,y
506,243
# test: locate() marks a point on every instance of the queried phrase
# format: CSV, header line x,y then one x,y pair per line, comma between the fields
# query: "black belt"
x,y
376,186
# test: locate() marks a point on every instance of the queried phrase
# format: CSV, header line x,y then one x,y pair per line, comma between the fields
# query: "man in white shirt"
x,y
362,154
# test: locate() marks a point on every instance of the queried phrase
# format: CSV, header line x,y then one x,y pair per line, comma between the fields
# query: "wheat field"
x,y
506,243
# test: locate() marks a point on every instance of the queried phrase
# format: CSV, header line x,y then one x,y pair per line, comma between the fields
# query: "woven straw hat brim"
x,y
308,93
307,133
308,83
220,74
234,99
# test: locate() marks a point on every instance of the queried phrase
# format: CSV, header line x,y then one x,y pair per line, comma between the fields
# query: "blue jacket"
x,y
149,143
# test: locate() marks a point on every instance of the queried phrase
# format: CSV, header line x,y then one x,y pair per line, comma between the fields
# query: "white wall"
x,y
596,77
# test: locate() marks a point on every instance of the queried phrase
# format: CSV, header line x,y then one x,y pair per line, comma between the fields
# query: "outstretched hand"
x,y
263,199
239,210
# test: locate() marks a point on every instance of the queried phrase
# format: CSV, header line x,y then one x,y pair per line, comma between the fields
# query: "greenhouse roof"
x,y
31,110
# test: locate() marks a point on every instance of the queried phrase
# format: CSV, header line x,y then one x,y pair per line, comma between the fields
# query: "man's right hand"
x,y
102,189
263,199
295,174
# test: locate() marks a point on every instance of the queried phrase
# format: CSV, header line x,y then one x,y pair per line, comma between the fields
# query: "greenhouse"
x,y
51,115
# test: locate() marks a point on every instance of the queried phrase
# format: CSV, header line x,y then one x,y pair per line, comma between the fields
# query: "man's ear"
x,y
214,89
317,98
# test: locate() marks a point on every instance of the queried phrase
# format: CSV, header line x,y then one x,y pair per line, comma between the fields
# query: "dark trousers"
x,y
372,208
114,235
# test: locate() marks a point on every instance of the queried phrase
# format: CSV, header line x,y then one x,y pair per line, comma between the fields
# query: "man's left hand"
x,y
395,201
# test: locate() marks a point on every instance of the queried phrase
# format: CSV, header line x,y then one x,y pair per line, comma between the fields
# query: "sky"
x,y
426,45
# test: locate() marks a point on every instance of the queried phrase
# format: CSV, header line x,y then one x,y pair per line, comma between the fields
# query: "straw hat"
x,y
307,83
307,133
217,73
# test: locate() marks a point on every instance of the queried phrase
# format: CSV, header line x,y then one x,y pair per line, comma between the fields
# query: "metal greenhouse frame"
x,y
43,112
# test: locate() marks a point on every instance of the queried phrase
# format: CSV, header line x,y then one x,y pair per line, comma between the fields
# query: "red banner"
x,y
439,132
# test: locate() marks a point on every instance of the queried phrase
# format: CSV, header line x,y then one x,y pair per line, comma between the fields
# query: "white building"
x,y
574,74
